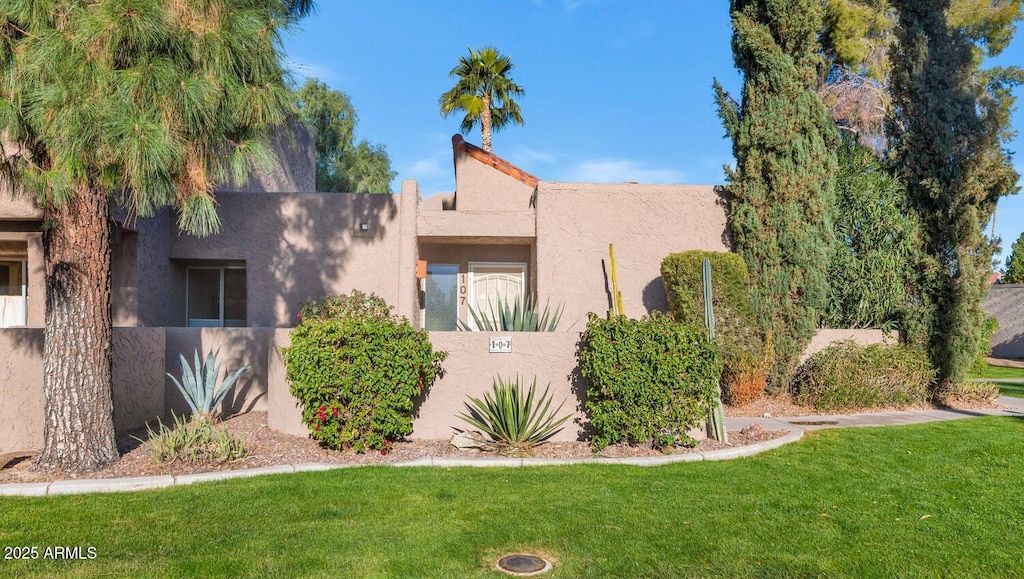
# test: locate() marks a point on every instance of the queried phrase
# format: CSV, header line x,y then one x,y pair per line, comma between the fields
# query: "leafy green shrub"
x,y
195,440
736,333
847,376
651,379
357,371
988,329
199,383
516,421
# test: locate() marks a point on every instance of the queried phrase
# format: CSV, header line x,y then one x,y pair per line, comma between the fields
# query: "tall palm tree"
x,y
484,92
145,105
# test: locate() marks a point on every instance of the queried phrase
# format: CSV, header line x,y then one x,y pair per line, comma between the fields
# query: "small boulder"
x,y
753,430
469,441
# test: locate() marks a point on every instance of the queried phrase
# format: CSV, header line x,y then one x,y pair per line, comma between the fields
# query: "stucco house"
x,y
501,232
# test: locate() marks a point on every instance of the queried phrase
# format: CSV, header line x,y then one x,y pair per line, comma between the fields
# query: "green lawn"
x,y
940,499
1015,389
998,372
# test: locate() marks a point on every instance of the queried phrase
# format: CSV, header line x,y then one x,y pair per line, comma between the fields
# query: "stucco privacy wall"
x,y
138,383
1005,302
577,221
468,371
235,347
296,246
826,337
141,390
21,389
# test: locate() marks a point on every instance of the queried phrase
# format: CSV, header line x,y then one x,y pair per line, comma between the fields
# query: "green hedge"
x,y
358,370
847,376
736,332
649,380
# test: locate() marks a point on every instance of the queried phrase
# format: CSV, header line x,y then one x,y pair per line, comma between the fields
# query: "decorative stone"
x,y
468,441
753,430
522,564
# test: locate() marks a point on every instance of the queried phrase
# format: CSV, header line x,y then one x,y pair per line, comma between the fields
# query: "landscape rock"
x,y
469,441
753,430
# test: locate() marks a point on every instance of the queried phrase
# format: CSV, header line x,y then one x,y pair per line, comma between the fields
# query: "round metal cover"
x,y
520,564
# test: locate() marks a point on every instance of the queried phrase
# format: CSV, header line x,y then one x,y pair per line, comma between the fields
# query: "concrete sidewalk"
x,y
797,425
1012,407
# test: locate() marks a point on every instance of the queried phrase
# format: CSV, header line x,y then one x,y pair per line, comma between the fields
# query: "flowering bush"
x,y
358,370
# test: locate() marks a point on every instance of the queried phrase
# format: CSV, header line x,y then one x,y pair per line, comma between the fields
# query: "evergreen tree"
x,y
342,165
784,143
946,144
1015,263
145,104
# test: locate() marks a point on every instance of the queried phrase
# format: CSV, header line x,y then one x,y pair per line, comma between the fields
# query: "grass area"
x,y
939,499
1015,389
998,372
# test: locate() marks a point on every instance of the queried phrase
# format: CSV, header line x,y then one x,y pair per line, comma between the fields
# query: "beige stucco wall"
x,y
479,187
21,389
296,246
141,389
826,337
236,347
470,370
577,221
510,226
18,207
138,376
283,413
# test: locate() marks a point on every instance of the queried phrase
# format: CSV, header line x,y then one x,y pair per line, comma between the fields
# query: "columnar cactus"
x,y
717,413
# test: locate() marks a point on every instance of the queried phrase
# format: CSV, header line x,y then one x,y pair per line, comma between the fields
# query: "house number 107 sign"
x,y
500,345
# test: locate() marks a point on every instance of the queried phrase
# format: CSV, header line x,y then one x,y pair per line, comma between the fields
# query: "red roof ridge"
x,y
492,160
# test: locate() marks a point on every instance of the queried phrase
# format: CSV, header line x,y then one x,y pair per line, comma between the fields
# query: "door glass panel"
x,y
234,297
203,296
441,307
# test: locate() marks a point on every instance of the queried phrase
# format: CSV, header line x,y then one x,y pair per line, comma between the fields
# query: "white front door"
x,y
492,283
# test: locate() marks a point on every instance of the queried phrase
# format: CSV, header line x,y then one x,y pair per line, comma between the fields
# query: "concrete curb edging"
x,y
112,485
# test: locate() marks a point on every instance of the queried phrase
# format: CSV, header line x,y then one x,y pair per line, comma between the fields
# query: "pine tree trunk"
x,y
78,434
485,122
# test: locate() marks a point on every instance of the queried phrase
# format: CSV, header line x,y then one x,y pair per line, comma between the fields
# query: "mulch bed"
x,y
269,448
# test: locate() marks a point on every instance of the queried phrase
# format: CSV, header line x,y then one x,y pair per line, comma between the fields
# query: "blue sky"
x,y
616,90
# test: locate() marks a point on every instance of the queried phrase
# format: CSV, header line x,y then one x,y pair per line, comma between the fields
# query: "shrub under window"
x,y
358,370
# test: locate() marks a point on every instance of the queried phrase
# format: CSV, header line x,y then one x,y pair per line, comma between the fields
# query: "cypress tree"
x,y
1015,262
782,186
947,146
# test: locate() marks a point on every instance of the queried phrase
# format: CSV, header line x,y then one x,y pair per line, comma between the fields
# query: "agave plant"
x,y
518,316
516,421
199,383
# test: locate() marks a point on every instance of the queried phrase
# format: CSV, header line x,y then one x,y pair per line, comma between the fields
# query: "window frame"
x,y
23,266
219,322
